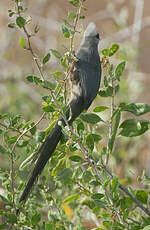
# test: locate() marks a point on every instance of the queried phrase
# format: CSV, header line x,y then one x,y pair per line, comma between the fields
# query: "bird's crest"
x,y
91,30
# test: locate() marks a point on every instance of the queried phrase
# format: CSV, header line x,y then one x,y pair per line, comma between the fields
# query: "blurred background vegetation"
x,y
126,22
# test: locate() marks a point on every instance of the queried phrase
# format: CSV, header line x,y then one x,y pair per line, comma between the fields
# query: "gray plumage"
x,y
85,79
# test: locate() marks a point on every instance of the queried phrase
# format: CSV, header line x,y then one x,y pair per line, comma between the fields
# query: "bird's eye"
x,y
97,36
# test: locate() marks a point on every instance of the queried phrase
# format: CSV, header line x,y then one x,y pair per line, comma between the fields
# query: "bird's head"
x,y
92,33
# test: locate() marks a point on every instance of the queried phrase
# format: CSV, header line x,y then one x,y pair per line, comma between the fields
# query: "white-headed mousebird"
x,y
85,80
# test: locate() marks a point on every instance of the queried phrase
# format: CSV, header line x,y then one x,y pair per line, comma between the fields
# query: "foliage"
x,y
76,181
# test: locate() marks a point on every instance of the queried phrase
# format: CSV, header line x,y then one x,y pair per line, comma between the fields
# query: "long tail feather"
x,y
46,152
50,144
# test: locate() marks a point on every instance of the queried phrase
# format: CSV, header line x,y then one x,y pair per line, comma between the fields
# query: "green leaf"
x,y
22,143
97,196
119,70
12,218
72,15
57,74
80,126
87,176
90,139
136,108
100,203
47,99
65,175
114,184
133,127
48,108
36,29
100,109
142,196
34,79
4,199
105,52
3,226
15,119
46,58
67,24
75,158
73,197
5,115
59,167
22,43
147,227
96,137
108,92
36,218
90,142
26,162
56,53
12,25
108,224
82,17
73,147
105,81
113,49
89,203
12,140
20,21
11,13
74,2
3,150
90,118
114,132
49,226
110,51
64,62
33,130
65,31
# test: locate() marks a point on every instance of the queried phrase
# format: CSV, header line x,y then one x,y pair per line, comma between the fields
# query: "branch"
x,y
110,124
125,190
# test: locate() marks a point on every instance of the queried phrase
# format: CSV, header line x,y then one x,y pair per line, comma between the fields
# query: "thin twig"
x,y
110,128
29,44
136,222
12,179
26,131
82,188
15,130
75,26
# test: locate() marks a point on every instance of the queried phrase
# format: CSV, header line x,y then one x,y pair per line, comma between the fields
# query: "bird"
x,y
85,77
